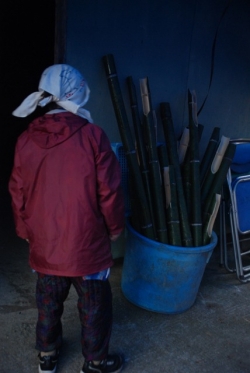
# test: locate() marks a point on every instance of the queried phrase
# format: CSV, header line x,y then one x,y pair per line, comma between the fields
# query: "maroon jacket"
x,y
66,195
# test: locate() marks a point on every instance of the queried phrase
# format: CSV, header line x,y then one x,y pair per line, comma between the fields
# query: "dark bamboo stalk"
x,y
211,173
142,154
169,189
196,220
128,143
154,169
209,153
173,218
164,164
170,139
183,145
140,145
186,173
219,178
186,180
210,219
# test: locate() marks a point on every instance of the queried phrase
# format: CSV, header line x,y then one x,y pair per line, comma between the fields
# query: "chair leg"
x,y
242,276
223,239
221,234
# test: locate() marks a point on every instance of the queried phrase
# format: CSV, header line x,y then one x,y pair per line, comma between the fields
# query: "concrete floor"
x,y
211,337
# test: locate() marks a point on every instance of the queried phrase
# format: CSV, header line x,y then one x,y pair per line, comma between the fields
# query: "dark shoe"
x,y
113,364
47,364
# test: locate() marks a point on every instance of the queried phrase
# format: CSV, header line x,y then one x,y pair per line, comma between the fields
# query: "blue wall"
x,y
170,41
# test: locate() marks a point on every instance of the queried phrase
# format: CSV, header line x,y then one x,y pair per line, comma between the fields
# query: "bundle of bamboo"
x,y
176,195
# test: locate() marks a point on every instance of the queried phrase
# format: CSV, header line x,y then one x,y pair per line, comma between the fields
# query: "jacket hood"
x,y
52,129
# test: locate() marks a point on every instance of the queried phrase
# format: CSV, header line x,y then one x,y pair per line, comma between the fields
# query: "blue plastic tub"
x,y
160,277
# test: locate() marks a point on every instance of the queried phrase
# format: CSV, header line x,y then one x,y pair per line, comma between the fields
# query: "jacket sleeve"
x,y
110,193
16,192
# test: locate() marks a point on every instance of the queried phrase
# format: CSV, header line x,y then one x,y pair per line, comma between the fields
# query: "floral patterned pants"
x,y
95,313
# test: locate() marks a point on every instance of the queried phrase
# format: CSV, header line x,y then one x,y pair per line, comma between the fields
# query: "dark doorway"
x,y
27,48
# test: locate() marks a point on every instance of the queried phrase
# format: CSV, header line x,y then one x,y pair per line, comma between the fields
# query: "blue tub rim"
x,y
177,249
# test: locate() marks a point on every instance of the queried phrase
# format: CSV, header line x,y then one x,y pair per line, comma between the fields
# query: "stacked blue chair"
x,y
236,195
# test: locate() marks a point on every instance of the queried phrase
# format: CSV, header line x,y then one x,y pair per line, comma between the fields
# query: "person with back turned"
x,y
68,204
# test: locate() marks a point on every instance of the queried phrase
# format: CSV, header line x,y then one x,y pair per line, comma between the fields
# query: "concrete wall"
x,y
170,41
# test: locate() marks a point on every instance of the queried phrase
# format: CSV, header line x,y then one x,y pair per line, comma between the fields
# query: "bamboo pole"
x,y
196,220
186,174
210,218
219,177
164,166
186,181
154,169
169,135
206,186
183,145
209,153
168,177
140,145
128,143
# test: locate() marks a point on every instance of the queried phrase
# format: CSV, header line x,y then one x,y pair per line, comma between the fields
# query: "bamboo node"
x,y
131,152
147,226
228,158
111,76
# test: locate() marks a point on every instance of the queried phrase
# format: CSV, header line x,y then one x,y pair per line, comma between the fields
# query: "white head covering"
x,y
67,87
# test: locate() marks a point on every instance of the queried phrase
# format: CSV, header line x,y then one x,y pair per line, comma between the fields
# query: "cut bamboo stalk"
x,y
209,153
221,149
173,220
220,154
140,145
210,218
219,177
164,168
154,168
183,145
169,135
167,188
196,220
186,174
128,143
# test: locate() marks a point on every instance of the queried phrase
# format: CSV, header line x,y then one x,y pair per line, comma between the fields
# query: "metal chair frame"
x,y
238,234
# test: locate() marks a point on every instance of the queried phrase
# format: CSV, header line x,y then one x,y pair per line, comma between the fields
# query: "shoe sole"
x,y
46,371
115,371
